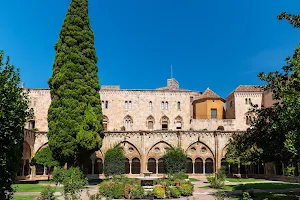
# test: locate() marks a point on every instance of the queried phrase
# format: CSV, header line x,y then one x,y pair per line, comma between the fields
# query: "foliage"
x,y
114,161
75,114
220,195
95,197
111,189
246,196
47,194
44,157
217,181
175,192
186,189
137,192
289,171
58,175
175,160
127,189
74,182
13,114
178,176
275,133
159,192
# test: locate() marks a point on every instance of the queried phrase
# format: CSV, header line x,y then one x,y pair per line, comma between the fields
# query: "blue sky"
x,y
220,44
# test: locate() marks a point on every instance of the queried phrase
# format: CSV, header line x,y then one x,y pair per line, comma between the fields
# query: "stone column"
x,y
93,166
23,168
146,167
156,166
203,166
45,169
130,163
193,166
239,168
228,169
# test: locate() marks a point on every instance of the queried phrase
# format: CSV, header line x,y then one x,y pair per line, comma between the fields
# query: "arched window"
x,y
162,105
166,105
102,104
161,166
105,122
198,166
31,124
135,166
220,128
178,122
164,123
249,101
209,166
151,165
178,105
150,123
189,166
128,122
127,166
98,166
130,105
150,105
106,104
126,105
246,101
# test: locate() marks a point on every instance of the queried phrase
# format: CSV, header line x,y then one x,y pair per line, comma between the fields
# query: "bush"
x,y
95,197
217,181
47,194
186,189
175,160
58,175
246,196
137,192
74,181
175,192
127,189
159,192
114,161
178,176
112,189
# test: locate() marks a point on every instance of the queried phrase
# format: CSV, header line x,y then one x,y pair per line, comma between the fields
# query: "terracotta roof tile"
x,y
249,88
209,94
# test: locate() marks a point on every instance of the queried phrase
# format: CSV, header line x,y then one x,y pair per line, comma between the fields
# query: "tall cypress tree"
x,y
75,113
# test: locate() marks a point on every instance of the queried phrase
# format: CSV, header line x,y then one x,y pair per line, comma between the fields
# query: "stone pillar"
x,y
193,166
32,173
228,169
239,168
23,168
203,166
130,163
146,167
45,169
93,166
156,166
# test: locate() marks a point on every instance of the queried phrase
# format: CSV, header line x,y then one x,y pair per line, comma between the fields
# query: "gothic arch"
x,y
164,118
105,118
150,119
41,147
224,151
199,150
128,121
130,150
158,150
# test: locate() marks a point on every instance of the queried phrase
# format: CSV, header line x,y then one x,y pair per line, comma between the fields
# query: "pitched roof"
x,y
249,88
209,94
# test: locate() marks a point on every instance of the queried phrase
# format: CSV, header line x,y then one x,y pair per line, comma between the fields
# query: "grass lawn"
x,y
32,188
23,198
259,186
273,196
193,179
243,180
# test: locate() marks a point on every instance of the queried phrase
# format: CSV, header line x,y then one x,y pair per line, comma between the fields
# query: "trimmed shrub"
x,y
74,181
137,192
175,160
114,162
175,192
112,189
159,192
217,181
58,175
127,189
186,189
246,196
47,194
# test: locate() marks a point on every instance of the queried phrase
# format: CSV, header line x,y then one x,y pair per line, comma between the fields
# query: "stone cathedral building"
x,y
146,122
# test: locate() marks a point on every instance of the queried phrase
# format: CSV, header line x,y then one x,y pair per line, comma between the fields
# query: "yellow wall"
x,y
202,109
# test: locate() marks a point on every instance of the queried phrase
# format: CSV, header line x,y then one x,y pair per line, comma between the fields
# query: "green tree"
x,y
13,114
75,113
275,134
114,161
175,160
44,157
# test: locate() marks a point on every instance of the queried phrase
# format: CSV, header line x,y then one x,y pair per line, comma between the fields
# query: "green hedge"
x,y
112,189
175,160
114,161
